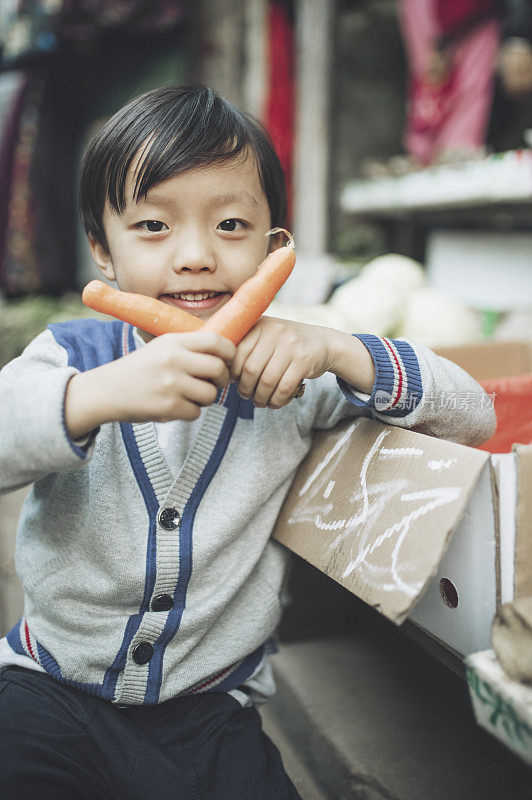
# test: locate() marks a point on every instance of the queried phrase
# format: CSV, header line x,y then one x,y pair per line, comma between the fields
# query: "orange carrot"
x,y
147,313
234,319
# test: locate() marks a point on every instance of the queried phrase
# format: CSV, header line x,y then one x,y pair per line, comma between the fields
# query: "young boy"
x,y
159,467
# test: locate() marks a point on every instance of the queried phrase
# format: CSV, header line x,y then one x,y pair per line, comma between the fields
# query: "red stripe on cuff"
x,y
399,370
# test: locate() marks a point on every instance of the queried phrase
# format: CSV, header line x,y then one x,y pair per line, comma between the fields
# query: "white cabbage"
x,y
373,302
438,319
367,308
400,273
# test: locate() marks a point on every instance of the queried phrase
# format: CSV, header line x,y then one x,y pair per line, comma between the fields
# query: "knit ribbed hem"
x,y
398,388
198,457
23,642
158,472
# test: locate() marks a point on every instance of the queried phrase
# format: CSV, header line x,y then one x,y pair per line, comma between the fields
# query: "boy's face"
x,y
193,240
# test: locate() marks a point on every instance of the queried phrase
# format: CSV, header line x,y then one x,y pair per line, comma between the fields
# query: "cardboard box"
x,y
419,527
491,359
502,706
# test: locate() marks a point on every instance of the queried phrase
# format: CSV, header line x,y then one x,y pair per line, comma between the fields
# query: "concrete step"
x,y
295,767
377,718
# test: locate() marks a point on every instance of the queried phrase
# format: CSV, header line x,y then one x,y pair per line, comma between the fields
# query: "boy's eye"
x,y
231,225
153,225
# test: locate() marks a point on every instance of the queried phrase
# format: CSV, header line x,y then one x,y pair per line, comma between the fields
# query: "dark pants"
x,y
57,742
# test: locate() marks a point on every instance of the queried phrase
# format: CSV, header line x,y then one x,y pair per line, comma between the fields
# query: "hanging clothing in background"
x,y
20,269
450,115
30,29
63,52
12,92
457,17
280,96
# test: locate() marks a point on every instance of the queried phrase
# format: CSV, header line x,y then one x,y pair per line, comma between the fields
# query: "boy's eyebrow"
x,y
218,200
157,199
234,197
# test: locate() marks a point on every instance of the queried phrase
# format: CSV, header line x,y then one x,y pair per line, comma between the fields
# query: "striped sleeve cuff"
x,y
398,388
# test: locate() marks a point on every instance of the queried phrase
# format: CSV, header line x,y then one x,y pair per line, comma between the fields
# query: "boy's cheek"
x,y
136,272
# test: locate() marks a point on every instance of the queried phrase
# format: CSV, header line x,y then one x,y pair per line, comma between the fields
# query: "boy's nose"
x,y
193,254
190,266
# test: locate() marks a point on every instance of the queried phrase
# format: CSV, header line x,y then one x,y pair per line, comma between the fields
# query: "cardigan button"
x,y
169,518
163,602
142,653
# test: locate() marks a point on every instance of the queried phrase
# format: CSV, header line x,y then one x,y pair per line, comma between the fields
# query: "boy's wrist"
x,y
88,402
351,361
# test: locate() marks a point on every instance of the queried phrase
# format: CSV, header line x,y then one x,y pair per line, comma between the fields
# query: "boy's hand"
x,y
277,355
170,378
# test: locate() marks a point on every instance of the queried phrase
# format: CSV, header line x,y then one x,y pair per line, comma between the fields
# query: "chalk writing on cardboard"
x,y
380,549
438,465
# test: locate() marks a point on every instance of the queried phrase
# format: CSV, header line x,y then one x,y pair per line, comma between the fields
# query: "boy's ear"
x,y
102,258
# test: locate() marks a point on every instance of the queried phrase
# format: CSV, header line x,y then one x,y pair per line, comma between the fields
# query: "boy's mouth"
x,y
195,301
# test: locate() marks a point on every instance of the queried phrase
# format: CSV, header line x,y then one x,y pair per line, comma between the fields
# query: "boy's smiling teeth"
x,y
204,300
191,296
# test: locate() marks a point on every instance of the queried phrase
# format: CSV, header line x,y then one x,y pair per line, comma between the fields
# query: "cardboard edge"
x,y
523,533
495,494
507,476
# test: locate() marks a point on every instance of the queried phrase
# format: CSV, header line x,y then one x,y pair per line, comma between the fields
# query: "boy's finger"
x,y
189,411
198,391
269,379
243,351
186,402
208,367
208,342
287,388
253,368
201,392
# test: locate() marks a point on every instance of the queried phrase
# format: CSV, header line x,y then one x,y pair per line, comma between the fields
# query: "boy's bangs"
x,y
166,153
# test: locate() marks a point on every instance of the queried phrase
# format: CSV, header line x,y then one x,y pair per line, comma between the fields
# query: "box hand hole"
x,y
448,592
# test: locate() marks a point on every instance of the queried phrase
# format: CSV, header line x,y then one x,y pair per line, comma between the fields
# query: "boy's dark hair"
x,y
186,126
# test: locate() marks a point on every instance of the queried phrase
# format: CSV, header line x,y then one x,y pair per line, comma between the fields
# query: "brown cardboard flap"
x,y
373,506
491,359
523,534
